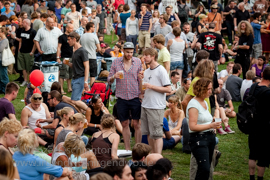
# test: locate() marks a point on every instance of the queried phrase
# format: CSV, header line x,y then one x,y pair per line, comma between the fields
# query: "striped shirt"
x,y
127,88
48,40
145,22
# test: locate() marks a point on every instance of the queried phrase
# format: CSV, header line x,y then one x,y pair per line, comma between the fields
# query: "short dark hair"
x,y
212,25
56,94
167,7
256,15
202,54
166,163
68,1
176,31
137,166
3,18
44,15
185,80
126,7
6,3
236,68
262,57
74,35
115,167
10,87
174,73
255,79
266,73
89,25
156,172
140,150
186,23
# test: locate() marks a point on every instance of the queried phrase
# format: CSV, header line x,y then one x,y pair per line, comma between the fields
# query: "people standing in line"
x,y
125,70
90,43
46,40
80,67
155,84
66,51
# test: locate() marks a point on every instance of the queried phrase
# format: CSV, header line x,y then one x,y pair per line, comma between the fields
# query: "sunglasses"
x,y
37,98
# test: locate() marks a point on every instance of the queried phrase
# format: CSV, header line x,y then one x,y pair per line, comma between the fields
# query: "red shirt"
x,y
117,3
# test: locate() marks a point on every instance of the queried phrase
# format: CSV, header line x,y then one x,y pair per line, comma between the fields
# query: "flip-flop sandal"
x,y
70,91
64,93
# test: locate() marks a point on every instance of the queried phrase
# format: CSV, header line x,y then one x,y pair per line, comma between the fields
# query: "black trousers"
x,y
244,60
230,29
202,147
48,57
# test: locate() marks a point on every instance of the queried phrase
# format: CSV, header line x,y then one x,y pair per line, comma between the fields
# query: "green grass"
x,y
233,164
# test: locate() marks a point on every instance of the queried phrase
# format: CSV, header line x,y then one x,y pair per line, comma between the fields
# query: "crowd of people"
x,y
164,67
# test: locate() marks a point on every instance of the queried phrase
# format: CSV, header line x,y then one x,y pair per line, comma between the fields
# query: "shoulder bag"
x,y
7,57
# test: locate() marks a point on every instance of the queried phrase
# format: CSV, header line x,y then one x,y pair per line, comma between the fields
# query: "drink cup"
x,y
66,61
85,124
143,86
218,120
121,75
84,163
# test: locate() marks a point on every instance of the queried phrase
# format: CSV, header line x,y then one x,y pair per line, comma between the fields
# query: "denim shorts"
x,y
177,65
77,88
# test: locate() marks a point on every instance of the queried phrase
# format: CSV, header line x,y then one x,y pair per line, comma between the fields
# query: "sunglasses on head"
x,y
37,98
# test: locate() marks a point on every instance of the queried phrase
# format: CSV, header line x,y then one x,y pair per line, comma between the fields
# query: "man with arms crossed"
x,y
127,91
156,83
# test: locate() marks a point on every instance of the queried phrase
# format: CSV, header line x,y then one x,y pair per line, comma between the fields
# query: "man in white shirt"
x,y
154,85
83,5
224,74
46,40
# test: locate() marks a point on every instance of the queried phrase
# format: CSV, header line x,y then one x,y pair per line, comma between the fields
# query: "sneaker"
x,y
24,83
221,131
228,130
230,44
217,157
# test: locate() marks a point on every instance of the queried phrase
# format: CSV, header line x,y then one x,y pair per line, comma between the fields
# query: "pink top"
x,y
117,3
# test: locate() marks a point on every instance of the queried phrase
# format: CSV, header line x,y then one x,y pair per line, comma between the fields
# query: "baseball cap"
x,y
102,45
128,45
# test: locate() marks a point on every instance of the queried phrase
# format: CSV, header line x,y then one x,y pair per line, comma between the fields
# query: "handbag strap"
x,y
214,17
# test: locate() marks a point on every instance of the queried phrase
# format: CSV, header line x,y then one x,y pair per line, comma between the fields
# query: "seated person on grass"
x,y
139,152
118,169
182,91
175,84
139,170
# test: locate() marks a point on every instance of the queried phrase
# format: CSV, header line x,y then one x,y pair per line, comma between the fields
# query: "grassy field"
x,y
233,164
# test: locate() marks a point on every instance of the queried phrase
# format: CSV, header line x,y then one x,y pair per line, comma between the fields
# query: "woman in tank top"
x,y
77,123
174,115
105,142
176,47
9,130
64,113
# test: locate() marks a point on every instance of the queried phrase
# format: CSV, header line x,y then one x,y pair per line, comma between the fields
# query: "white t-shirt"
x,y
158,77
245,85
204,116
223,74
88,10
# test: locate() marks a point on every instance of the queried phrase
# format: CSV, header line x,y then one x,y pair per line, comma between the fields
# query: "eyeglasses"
x,y
49,99
37,98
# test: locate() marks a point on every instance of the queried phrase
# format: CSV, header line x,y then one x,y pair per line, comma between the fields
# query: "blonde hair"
x,y
204,69
36,95
6,164
175,99
107,121
4,30
203,30
74,145
159,38
101,176
249,29
76,118
11,126
63,111
151,52
27,141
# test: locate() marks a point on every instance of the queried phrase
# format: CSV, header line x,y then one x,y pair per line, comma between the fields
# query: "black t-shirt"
x,y
229,17
199,24
210,42
66,49
241,16
105,55
27,40
61,105
245,40
79,56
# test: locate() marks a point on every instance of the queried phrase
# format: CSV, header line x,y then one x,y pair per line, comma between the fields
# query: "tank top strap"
x,y
109,135
42,108
29,108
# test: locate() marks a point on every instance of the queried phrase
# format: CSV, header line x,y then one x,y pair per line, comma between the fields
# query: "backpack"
x,y
182,13
247,110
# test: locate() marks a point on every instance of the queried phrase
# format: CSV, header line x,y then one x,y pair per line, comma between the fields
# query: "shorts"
x,y
65,71
144,39
77,88
177,65
124,107
168,143
258,151
93,67
256,50
25,61
152,122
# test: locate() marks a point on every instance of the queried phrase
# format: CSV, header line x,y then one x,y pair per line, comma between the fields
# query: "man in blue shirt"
x,y
8,12
257,43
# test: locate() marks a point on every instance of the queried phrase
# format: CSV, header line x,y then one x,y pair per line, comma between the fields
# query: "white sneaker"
x,y
24,83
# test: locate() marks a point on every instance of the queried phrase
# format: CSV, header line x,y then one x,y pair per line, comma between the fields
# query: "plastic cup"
x,y
218,120
143,86
121,75
66,61
84,163
85,124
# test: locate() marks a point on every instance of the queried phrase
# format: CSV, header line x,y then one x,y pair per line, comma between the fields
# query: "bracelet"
x,y
85,82
95,125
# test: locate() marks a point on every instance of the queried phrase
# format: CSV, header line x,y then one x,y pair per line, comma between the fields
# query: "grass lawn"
x,y
233,164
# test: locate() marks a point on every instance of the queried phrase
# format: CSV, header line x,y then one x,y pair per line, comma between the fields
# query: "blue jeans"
x,y
133,39
3,77
77,88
